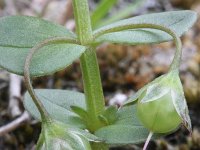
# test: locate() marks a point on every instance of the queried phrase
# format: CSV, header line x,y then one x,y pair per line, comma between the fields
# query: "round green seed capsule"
x,y
159,116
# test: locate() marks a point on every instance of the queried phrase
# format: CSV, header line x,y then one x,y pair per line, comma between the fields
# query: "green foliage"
x,y
121,14
47,60
21,36
159,116
82,113
127,116
57,103
26,32
101,10
58,136
122,134
133,98
164,95
109,116
178,21
127,129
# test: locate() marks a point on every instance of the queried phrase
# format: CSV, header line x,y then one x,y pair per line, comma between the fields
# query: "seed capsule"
x,y
161,105
159,116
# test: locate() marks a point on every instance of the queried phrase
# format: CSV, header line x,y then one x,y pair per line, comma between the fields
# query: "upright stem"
x,y
92,88
89,65
83,22
90,69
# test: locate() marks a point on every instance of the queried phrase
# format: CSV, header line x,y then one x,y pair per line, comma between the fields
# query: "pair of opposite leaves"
x,y
179,107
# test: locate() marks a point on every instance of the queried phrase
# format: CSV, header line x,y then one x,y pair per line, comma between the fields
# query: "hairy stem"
x,y
83,21
37,102
177,57
89,65
93,88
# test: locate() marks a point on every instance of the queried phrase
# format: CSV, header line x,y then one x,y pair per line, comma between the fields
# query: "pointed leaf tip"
x,y
178,21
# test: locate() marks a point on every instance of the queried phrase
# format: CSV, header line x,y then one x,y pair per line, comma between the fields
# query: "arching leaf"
x,y
178,21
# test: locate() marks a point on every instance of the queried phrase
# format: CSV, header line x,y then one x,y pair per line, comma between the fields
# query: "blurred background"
x,y
124,69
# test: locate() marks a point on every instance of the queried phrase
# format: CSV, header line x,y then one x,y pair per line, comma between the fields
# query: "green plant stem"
x,y
44,114
83,22
93,88
90,69
177,57
89,65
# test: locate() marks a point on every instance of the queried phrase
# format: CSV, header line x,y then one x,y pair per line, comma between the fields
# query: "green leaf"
x,y
178,21
133,99
127,116
126,130
103,120
57,104
18,34
122,134
25,32
102,9
79,111
82,113
90,137
47,60
124,13
109,116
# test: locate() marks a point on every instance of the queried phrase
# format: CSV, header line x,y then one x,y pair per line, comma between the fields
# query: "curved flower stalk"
x,y
164,93
39,105
161,105
54,134
168,84
176,61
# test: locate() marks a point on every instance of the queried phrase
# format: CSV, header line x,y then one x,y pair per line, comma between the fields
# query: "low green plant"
x,y
99,15
72,120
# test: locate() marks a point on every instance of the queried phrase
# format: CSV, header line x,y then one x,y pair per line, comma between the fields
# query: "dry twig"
x,y
15,95
14,124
